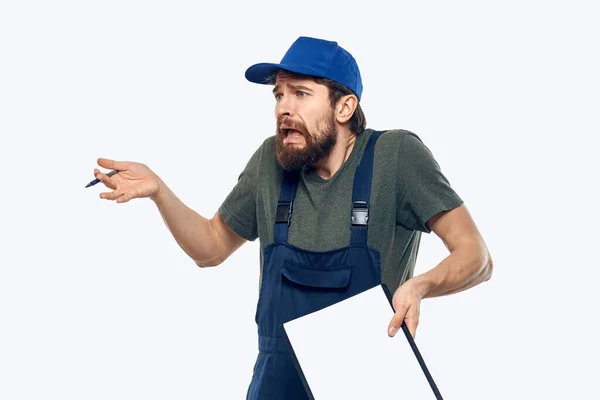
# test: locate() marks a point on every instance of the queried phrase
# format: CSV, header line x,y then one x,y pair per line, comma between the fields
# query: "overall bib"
x,y
296,282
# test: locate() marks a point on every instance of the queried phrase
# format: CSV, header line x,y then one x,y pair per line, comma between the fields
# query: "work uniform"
x,y
295,280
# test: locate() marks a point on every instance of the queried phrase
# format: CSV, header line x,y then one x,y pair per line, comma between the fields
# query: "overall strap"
x,y
361,192
287,194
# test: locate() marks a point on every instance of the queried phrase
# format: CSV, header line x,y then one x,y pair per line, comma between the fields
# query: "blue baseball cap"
x,y
314,57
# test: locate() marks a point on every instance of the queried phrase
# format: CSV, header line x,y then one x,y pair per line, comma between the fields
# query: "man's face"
x,y
305,122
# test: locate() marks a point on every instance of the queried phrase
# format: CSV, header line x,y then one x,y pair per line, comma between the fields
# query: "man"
x,y
338,209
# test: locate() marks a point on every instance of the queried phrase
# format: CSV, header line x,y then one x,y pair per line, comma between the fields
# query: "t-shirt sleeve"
x,y
423,189
239,208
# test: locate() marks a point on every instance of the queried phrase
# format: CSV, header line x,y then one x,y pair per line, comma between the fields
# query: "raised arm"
x,y
208,242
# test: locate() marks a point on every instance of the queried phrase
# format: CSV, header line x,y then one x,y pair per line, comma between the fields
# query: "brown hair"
x,y
358,121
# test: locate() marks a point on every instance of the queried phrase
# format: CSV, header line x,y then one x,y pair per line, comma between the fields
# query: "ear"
x,y
345,107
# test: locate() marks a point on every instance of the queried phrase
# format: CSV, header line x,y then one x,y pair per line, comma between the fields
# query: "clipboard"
x,y
331,367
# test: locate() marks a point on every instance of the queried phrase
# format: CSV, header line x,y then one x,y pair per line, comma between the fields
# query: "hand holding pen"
x,y
95,181
128,180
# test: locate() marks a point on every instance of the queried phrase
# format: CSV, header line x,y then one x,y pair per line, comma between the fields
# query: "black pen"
x,y
111,173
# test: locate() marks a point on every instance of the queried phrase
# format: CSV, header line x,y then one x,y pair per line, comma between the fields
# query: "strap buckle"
x,y
360,213
284,212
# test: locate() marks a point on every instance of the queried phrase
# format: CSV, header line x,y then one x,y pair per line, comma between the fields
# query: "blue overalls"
x,y
296,282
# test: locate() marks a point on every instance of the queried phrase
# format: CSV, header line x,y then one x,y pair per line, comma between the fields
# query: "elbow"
x,y
213,259
488,268
205,264
210,263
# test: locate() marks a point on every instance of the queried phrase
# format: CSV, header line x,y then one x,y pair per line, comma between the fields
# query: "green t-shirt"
x,y
408,188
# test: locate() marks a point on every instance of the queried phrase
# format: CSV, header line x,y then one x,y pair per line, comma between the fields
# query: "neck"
x,y
328,166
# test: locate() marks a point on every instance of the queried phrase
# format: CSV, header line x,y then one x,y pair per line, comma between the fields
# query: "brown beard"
x,y
318,144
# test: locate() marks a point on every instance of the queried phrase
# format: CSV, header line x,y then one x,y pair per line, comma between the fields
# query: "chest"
x,y
322,211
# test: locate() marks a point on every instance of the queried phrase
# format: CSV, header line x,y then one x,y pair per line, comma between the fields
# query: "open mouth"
x,y
291,132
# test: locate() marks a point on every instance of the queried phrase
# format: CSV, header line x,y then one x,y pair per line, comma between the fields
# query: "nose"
x,y
284,107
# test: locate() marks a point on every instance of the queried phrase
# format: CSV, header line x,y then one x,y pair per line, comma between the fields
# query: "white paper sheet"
x,y
345,352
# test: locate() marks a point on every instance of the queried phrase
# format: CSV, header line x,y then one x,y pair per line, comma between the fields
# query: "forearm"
x,y
193,232
467,266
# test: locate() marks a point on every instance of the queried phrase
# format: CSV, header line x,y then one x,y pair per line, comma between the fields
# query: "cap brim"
x,y
258,73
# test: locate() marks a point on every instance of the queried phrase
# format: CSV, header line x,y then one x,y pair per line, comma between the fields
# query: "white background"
x,y
98,301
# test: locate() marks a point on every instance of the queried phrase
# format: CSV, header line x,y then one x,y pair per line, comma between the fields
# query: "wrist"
x,y
161,193
423,285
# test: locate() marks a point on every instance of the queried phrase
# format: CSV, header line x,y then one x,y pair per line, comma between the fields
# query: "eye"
x,y
302,94
278,96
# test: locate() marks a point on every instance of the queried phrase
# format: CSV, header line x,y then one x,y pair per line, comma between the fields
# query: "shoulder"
x,y
399,136
269,143
264,160
406,149
267,146
398,139
264,152
267,152
401,142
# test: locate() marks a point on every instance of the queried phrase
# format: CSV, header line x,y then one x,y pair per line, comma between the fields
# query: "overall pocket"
x,y
305,289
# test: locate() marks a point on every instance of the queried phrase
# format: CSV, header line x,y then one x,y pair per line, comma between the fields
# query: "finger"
x,y
112,164
124,198
411,324
111,195
412,319
107,180
397,320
